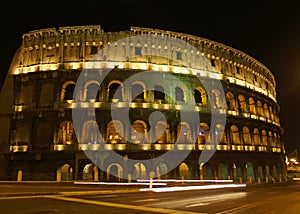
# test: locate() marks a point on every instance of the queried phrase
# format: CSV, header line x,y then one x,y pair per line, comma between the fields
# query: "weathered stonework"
x,y
36,127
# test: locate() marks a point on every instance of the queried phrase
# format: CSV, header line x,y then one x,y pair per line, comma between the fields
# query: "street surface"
x,y
61,198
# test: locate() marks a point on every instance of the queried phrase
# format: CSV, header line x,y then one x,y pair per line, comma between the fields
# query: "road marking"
x,y
197,205
239,208
105,196
147,200
19,197
123,206
70,193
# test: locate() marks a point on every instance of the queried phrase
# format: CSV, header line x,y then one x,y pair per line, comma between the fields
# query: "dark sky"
x,y
266,30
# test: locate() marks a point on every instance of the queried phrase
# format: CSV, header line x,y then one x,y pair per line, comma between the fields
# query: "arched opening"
x,y
46,93
114,133
223,171
264,137
266,111
197,96
162,171
44,136
231,104
114,172
216,99
159,94
237,172
203,133
184,133
235,135
270,139
137,93
26,95
90,172
161,130
259,108
90,132
207,171
64,173
271,113
185,171
260,173
179,95
139,171
242,103
200,96
67,92
139,132
220,136
250,172
267,174
65,133
252,107
92,92
256,137
115,91
246,136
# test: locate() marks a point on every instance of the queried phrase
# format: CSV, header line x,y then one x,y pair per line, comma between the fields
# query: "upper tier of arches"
x,y
79,47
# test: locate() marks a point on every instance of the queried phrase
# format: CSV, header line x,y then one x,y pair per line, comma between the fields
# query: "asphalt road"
x,y
51,198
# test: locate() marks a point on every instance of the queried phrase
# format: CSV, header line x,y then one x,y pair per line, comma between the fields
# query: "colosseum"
x,y
80,103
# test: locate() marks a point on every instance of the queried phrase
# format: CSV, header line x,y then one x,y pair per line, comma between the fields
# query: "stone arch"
x,y
200,96
246,136
137,92
250,172
115,91
184,133
162,171
90,172
90,132
185,171
223,171
43,136
203,133
65,133
256,137
237,171
231,102
271,112
206,171
242,103
114,172
159,93
260,111
64,172
220,135
252,106
216,99
235,135
264,137
46,93
22,136
266,111
270,139
139,171
67,91
26,95
179,94
115,132
91,91
162,132
139,132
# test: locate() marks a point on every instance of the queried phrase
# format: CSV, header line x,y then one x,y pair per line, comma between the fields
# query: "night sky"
x,y
266,30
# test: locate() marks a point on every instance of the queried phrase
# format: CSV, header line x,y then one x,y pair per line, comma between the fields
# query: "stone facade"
x,y
37,132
